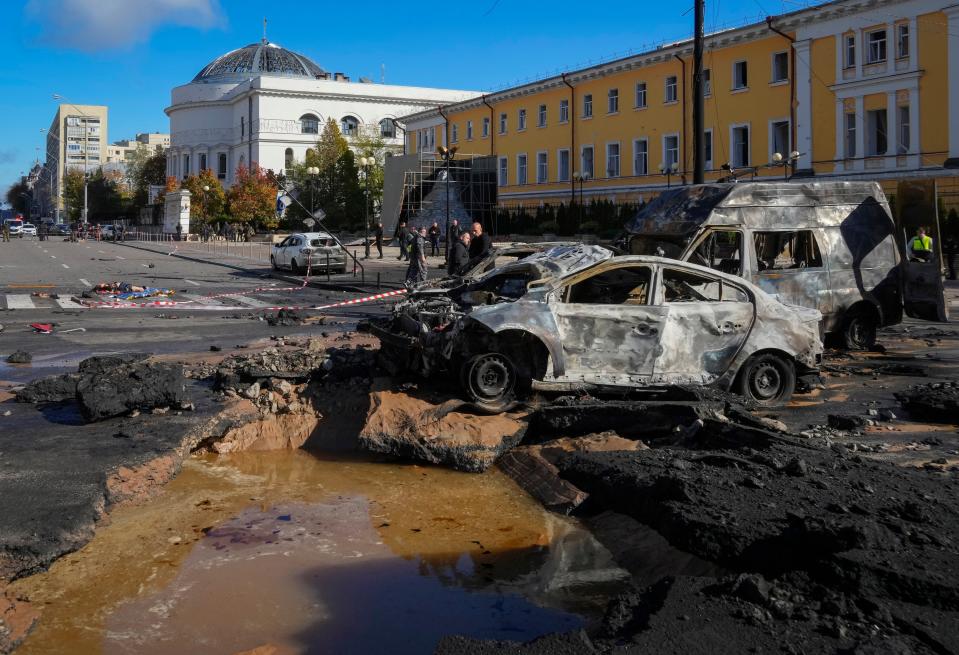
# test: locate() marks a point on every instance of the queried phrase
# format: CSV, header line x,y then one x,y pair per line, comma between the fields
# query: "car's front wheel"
x,y
490,381
768,380
273,263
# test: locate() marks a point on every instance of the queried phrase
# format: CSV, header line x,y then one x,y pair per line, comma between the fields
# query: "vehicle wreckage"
x,y
579,318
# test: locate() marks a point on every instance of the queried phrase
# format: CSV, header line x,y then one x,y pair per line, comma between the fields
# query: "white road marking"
x,y
46,252
101,252
53,256
199,300
145,265
20,301
66,303
196,284
64,266
119,257
85,283
252,302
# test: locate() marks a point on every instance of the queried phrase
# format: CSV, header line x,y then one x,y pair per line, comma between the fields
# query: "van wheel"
x,y
768,380
490,381
858,331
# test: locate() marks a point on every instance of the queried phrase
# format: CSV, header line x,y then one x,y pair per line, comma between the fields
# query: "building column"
x,y
952,62
838,166
804,142
860,163
892,127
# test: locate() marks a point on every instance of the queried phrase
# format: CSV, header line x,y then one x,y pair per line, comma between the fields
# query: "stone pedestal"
x,y
176,211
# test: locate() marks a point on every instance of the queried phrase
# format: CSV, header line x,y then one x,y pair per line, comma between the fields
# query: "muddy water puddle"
x,y
321,555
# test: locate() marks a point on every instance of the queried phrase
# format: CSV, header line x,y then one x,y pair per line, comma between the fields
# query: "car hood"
x,y
558,262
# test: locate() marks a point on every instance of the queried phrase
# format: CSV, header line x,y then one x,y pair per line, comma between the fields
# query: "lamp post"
x,y
785,162
312,171
86,150
581,178
447,155
366,163
668,171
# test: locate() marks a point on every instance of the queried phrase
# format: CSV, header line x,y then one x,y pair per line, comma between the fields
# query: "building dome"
x,y
257,59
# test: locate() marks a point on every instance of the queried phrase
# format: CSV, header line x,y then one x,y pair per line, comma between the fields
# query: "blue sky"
x,y
128,54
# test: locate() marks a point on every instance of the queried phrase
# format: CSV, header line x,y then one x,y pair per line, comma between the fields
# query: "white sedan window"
x,y
682,286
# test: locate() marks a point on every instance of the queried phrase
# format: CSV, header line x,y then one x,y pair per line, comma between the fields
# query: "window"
x,y
682,286
720,251
503,171
740,75
671,149
454,133
902,41
521,123
485,127
876,132
563,111
612,101
707,82
542,168
588,105
612,160
242,126
349,125
904,141
779,251
288,160
521,169
221,166
563,165
779,138
671,91
587,163
202,161
186,165
387,128
877,47
850,135
627,285
309,124
502,123
640,157
740,142
541,116
640,95
849,54
469,130
780,67
708,148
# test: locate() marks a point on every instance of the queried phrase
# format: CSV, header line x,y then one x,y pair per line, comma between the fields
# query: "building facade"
x,y
76,139
265,104
858,89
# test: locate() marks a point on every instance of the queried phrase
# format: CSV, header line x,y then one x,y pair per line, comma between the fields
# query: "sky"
x,y
129,54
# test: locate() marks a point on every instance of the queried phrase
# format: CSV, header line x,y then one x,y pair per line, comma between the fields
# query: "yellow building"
x,y
861,89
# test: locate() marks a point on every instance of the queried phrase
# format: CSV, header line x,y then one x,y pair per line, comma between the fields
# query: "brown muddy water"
x,y
307,554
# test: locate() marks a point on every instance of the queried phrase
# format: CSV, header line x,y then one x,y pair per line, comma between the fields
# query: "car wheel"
x,y
858,331
768,380
273,263
294,267
490,381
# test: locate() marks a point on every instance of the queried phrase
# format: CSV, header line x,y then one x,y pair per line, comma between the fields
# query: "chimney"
x,y
340,77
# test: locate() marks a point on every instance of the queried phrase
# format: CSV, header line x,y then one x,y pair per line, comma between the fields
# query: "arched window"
x,y
349,126
387,128
288,160
309,124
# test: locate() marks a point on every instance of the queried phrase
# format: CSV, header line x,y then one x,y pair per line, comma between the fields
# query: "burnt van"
x,y
831,246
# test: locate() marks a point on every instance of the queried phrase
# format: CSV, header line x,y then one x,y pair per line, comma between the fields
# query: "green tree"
x,y
252,198
73,180
370,143
205,206
144,173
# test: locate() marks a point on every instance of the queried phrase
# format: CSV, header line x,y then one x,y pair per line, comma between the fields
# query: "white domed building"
x,y
263,103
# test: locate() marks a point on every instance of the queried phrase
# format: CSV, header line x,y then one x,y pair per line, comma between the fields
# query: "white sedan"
x,y
29,229
315,251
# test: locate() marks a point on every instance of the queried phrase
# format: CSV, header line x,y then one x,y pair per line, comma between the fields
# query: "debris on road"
x,y
19,357
938,402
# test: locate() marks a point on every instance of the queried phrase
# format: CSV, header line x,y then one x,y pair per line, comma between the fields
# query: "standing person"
x,y
950,247
452,237
920,246
434,238
378,236
401,236
179,231
6,232
416,272
480,244
459,256
121,233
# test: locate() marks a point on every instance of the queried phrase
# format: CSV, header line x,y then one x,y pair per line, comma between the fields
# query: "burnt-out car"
x,y
577,318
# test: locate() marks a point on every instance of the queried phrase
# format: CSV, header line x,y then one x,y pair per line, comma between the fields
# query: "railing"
x,y
256,251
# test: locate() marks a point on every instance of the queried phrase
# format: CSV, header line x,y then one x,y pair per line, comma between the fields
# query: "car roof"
x,y
313,235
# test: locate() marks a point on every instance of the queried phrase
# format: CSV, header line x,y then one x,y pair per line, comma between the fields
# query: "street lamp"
x,y
312,171
447,155
366,162
785,162
582,178
668,170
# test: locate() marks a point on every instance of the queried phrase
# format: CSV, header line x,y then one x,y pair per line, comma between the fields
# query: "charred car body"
x,y
579,318
831,246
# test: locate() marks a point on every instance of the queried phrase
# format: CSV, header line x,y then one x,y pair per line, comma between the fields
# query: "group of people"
x,y
225,231
464,247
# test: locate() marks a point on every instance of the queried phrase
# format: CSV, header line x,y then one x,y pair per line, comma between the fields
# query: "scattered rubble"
x,y
285,318
19,357
53,389
937,402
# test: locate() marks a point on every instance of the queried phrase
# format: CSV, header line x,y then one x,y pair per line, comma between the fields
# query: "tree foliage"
x,y
144,172
106,197
252,198
205,206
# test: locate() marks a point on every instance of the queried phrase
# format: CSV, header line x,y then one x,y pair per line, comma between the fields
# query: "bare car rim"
x,y
860,332
766,382
491,378
769,380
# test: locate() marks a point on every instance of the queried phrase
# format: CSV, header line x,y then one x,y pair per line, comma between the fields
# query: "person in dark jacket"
x,y
480,243
459,256
434,235
402,240
452,236
417,270
378,236
950,248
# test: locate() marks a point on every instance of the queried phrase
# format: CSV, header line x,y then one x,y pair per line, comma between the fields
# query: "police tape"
x,y
172,304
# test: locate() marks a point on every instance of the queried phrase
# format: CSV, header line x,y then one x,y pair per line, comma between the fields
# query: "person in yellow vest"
x,y
920,246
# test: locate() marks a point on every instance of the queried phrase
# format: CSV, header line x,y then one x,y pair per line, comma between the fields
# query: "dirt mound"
x,y
113,386
938,402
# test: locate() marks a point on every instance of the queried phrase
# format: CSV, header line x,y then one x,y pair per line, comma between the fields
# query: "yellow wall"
x,y
822,60
933,85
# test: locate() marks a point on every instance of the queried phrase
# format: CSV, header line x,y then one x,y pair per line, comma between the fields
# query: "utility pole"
x,y
699,143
